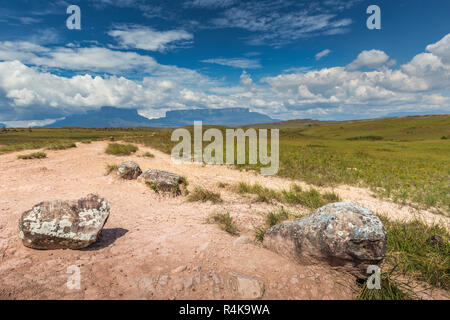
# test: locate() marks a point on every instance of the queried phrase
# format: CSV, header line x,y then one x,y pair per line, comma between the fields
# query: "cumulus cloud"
x,y
421,85
322,54
139,37
441,49
241,63
370,59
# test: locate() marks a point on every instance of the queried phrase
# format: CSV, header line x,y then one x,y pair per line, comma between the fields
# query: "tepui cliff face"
x,y
120,117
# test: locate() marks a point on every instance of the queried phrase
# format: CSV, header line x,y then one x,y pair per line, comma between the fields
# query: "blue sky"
x,y
288,59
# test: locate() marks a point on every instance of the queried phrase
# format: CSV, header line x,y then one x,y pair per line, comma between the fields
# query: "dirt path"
x,y
153,246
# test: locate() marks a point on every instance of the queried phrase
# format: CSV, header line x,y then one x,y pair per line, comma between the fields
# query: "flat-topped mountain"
x,y
226,117
119,117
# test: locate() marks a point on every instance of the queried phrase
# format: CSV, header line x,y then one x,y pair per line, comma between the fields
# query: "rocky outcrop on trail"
x,y
161,180
340,234
72,224
129,170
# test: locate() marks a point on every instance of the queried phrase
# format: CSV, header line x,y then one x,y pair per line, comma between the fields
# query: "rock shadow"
x,y
106,238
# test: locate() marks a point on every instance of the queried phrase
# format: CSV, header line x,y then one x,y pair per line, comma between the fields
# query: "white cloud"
x,y
420,85
139,37
322,54
441,49
241,63
370,59
246,79
30,123
280,22
209,3
73,58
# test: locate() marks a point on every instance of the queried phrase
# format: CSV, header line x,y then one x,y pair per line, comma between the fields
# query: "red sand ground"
x,y
155,246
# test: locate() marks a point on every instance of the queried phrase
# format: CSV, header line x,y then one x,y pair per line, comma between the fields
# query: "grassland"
x,y
420,251
404,159
311,199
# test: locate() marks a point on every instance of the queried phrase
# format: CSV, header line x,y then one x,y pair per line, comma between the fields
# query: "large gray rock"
x,y
72,224
341,234
161,180
129,170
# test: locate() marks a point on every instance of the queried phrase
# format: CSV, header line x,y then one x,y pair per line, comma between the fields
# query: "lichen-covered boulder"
x,y
129,170
341,234
161,180
72,224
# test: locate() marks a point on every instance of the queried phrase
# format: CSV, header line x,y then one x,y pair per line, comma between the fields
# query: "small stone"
x,y
179,269
129,170
163,280
436,240
248,287
162,180
241,241
188,283
179,286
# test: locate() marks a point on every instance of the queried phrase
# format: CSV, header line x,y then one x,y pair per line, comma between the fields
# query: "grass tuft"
x,y
263,194
311,199
61,146
34,155
224,221
121,149
391,289
204,195
419,250
148,155
152,186
111,168
273,218
276,217
260,232
368,138
222,185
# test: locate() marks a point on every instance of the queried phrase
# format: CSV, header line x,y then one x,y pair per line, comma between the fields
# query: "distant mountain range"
x,y
2,125
118,117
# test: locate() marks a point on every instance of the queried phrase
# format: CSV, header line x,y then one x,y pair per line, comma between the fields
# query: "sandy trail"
x,y
154,246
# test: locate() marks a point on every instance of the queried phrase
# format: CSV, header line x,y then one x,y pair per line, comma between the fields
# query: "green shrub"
x,y
225,222
260,232
121,149
276,217
272,218
368,138
391,289
111,168
222,185
61,146
148,155
34,155
204,195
